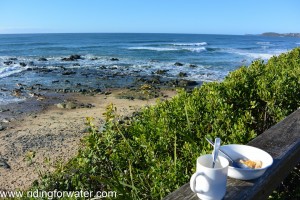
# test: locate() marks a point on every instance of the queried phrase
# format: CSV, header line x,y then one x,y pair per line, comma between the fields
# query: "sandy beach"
x,y
36,135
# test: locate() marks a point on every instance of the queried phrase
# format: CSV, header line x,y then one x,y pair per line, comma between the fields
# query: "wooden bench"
x,y
282,142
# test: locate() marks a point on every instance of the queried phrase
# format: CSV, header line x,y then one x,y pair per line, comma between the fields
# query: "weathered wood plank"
x,y
282,142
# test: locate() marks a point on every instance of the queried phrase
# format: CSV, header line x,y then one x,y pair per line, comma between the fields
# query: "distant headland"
x,y
273,34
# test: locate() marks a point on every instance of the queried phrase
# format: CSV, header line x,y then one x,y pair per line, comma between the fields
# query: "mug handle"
x,y
193,182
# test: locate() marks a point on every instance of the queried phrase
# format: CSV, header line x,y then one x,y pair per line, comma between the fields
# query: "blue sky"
x,y
149,16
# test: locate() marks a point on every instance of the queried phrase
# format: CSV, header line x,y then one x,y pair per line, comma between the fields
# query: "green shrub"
x,y
154,152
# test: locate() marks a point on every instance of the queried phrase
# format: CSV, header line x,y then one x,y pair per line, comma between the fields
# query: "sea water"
x,y
203,57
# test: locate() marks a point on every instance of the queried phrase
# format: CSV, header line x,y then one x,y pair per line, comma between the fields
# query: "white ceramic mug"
x,y
210,183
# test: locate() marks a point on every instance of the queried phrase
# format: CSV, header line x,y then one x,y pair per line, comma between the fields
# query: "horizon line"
x,y
25,33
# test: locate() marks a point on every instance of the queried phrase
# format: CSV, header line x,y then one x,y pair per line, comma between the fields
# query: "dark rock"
x,y
16,92
193,66
38,85
30,88
66,90
126,96
45,70
3,163
13,59
181,83
57,81
107,93
83,90
74,105
42,59
182,74
68,73
23,64
29,69
113,68
154,80
161,71
75,57
67,81
4,89
2,128
76,64
103,67
8,62
31,63
66,59
98,90
114,59
72,58
4,110
89,105
178,64
95,58
186,83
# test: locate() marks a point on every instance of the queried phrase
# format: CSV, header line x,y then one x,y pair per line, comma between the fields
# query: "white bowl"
x,y
236,151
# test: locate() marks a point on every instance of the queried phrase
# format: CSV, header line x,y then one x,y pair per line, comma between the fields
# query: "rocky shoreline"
x,y
48,124
56,84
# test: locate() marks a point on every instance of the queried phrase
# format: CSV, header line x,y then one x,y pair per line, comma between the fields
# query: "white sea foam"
x,y
263,43
255,55
10,70
264,56
154,48
198,49
190,44
193,49
208,76
268,55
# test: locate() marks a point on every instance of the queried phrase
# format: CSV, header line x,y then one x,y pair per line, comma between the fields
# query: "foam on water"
x,y
192,49
264,56
198,49
190,44
267,54
263,43
154,48
10,70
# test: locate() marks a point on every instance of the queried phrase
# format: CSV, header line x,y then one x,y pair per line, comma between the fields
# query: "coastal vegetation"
x,y
152,152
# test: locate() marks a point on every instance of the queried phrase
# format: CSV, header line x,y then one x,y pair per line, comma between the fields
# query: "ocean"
x,y
116,60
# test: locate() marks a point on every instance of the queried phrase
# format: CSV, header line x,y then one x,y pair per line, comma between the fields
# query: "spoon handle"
x,y
216,151
210,142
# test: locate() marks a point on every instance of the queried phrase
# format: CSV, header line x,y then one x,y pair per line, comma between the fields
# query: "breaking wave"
x,y
190,44
10,70
192,49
